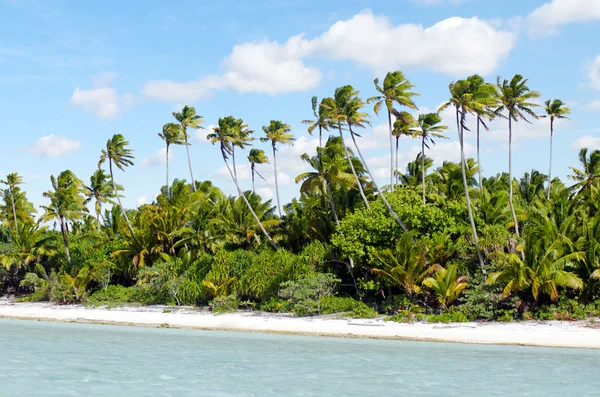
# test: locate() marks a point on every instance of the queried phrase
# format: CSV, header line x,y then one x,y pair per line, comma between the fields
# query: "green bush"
x,y
225,304
115,296
450,316
304,295
338,304
403,316
363,311
275,305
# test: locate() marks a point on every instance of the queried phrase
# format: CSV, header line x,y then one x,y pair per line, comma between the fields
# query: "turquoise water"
x,y
54,359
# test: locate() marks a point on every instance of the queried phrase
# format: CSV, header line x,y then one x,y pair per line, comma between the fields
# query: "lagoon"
x,y
60,359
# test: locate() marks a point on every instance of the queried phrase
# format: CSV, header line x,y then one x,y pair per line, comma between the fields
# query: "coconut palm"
x,y
588,177
172,135
414,174
446,285
428,127
395,89
66,204
321,120
335,111
121,156
402,127
514,100
12,181
257,156
32,243
555,109
101,191
229,134
277,132
188,118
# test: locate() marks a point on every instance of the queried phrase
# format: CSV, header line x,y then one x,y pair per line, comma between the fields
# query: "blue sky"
x,y
73,73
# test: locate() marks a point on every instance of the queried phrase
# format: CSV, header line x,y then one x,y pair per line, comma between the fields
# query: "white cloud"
x,y
103,79
158,158
142,200
265,192
455,46
201,133
102,100
548,17
590,142
293,163
593,70
593,106
53,146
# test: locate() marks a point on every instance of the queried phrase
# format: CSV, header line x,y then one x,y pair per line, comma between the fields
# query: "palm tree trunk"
x,y
396,173
360,189
320,136
391,150
243,196
550,168
167,185
63,232
98,221
112,179
276,182
510,179
423,165
478,157
459,127
331,203
187,150
379,192
14,210
252,169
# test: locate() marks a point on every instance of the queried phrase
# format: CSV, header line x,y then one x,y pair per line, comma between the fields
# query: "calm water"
x,y
53,359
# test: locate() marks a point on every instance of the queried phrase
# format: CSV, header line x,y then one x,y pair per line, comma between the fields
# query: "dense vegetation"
x,y
446,243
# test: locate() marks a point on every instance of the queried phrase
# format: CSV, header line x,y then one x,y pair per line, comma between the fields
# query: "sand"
x,y
580,334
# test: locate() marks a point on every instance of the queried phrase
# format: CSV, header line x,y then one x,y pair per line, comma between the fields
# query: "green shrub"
x,y
225,304
338,304
363,311
115,296
275,305
450,316
304,295
403,316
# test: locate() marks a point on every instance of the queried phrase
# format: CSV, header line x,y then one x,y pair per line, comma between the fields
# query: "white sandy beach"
x,y
548,333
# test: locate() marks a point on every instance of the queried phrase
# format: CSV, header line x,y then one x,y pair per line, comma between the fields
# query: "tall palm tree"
x,y
188,118
121,156
396,89
428,127
466,96
402,127
588,177
277,132
555,109
229,134
514,97
101,191
12,181
336,113
66,204
356,118
321,120
172,135
257,156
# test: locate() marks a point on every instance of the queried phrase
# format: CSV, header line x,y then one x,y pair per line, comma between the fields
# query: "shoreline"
x,y
541,334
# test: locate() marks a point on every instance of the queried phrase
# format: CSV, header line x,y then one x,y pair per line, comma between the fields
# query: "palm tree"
x,y
468,96
12,181
402,127
555,109
446,285
257,156
514,100
101,191
172,135
277,132
118,153
428,127
335,111
229,134
355,117
321,120
396,89
588,176
31,242
66,204
188,118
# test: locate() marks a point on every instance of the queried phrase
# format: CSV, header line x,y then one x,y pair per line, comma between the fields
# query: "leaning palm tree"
x,y
12,181
402,127
356,118
277,132
555,109
121,156
188,118
172,135
428,127
396,89
229,134
335,111
514,99
256,156
321,120
101,191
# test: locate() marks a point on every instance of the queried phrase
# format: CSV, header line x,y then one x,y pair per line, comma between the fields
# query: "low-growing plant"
x,y
225,304
304,295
